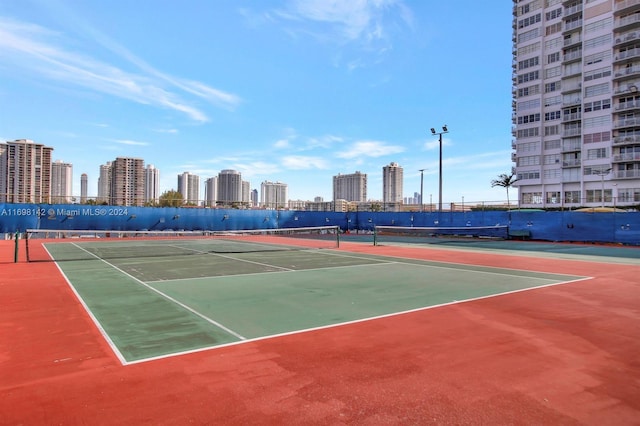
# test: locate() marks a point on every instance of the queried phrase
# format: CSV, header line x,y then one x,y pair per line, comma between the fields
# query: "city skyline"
x,y
284,90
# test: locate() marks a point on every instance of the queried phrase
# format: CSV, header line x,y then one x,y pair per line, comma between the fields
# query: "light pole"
x,y
433,132
602,174
421,188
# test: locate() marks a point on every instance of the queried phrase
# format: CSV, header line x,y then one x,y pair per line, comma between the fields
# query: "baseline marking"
x,y
166,296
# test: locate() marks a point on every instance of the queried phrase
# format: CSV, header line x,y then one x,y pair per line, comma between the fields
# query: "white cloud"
x,y
302,162
369,149
40,51
130,142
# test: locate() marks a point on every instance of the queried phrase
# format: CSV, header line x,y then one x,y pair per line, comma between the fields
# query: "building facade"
x,y
211,191
151,184
189,187
84,188
392,180
576,104
274,195
351,187
229,187
127,182
61,182
104,183
25,172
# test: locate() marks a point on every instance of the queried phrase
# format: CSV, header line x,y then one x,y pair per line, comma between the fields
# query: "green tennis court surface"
x,y
151,306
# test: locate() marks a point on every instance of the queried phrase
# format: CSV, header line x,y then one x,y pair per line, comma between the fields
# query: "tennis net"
x,y
434,235
61,245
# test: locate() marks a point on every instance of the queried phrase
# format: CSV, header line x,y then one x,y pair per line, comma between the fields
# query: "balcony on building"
x,y
626,122
624,73
626,22
628,106
571,25
626,140
626,55
573,10
627,174
576,116
626,6
626,38
572,56
575,162
628,157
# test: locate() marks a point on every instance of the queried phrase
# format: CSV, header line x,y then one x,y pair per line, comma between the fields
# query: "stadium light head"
x,y
433,130
444,128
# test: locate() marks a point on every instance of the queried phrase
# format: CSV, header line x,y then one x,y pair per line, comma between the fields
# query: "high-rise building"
x,y
392,185
274,195
189,187
25,172
61,182
151,184
246,192
351,187
576,103
211,191
104,183
127,182
229,187
84,188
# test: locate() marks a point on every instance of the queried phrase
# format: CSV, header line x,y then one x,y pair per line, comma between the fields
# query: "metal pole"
x,y
440,177
421,188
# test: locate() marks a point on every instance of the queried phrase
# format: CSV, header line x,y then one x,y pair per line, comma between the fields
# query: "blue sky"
x,y
290,90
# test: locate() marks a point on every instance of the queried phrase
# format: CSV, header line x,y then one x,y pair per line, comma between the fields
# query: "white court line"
x,y
393,314
102,331
233,258
166,296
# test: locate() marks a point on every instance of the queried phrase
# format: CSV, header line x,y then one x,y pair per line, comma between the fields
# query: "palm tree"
x,y
506,181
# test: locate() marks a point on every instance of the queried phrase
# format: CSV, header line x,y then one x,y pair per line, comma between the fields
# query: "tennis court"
x,y
263,329
183,295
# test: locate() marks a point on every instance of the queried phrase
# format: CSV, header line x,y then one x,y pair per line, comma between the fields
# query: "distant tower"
x,y
104,183
25,172
211,191
229,187
84,183
352,187
392,185
274,195
151,184
61,182
189,187
127,182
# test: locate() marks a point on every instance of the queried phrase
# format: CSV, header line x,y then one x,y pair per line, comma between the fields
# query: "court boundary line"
x,y
342,324
93,318
166,296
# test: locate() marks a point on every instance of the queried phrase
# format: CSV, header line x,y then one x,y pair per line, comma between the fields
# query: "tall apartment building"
x,y
211,191
61,182
25,172
84,188
151,184
274,195
576,104
351,187
392,180
189,187
127,182
229,187
104,183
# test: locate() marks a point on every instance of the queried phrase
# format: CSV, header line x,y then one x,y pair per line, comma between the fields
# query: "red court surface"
x,y
565,354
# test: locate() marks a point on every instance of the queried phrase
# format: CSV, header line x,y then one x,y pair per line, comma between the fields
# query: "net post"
x,y
17,247
375,234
